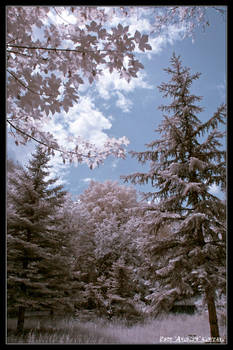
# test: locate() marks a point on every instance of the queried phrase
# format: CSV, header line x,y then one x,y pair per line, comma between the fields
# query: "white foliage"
x,y
49,57
192,187
195,163
165,271
193,221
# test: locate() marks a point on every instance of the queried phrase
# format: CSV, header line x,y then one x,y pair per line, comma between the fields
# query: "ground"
x,y
166,329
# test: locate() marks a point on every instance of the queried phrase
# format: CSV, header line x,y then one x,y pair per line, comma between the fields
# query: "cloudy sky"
x,y
112,107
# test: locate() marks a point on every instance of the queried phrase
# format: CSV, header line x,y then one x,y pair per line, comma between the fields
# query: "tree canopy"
x,y
52,51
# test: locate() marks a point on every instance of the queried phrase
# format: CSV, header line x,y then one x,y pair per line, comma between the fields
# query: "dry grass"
x,y
173,328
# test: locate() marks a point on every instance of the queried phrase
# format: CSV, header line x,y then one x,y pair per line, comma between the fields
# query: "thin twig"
x,y
25,86
61,16
12,40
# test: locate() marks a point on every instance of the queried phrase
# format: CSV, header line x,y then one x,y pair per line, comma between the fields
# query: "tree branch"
x,y
57,50
44,144
19,53
61,16
25,86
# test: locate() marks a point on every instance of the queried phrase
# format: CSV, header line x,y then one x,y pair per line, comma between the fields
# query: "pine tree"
x,y
183,166
38,252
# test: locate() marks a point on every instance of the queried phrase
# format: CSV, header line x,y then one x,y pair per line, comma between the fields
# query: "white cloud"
x,y
109,83
142,20
88,179
58,170
87,121
20,154
61,16
23,153
112,85
124,103
169,35
83,119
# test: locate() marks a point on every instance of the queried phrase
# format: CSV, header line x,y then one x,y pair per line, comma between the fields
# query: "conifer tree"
x,y
185,161
38,252
121,288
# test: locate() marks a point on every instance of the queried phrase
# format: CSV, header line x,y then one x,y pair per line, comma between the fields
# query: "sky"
x,y
113,107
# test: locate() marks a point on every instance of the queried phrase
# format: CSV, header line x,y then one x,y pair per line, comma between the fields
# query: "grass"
x,y
170,329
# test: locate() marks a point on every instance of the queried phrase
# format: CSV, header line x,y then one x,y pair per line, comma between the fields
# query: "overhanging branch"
x,y
83,51
44,144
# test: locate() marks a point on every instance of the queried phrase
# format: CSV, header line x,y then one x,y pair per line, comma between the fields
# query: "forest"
x,y
112,265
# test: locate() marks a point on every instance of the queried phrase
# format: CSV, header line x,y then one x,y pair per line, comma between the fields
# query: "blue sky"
x,y
131,110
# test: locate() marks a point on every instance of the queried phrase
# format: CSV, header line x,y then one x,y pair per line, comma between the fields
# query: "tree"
x,y
38,251
103,241
191,260
51,51
45,70
108,207
190,17
120,290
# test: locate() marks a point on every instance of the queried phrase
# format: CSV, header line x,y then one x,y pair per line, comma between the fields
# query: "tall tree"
x,y
106,208
38,254
183,166
103,236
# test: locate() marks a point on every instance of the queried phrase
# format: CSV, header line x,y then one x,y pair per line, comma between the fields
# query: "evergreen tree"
x,y
121,288
38,253
183,166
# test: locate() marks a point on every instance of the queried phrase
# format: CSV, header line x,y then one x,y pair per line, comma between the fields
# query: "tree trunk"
x,y
21,310
213,321
51,313
20,323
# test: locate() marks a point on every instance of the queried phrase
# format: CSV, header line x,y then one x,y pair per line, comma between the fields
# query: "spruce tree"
x,y
121,288
185,162
37,256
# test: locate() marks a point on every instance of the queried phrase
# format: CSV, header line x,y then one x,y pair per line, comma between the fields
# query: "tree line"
x,y
112,253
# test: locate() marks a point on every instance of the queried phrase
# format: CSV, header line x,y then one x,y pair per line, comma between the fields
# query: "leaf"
x,y
120,28
137,36
143,43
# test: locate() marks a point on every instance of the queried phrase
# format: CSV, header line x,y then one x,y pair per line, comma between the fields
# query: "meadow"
x,y
165,329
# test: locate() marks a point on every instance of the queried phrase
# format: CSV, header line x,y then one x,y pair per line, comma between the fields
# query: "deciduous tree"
x,y
104,241
48,60
52,51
